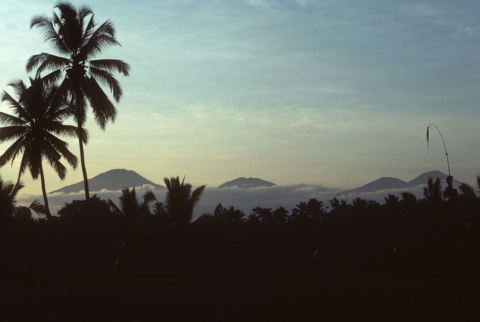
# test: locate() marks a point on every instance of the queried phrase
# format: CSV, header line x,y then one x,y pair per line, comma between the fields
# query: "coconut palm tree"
x,y
433,191
180,200
8,200
8,197
74,35
131,211
39,113
467,193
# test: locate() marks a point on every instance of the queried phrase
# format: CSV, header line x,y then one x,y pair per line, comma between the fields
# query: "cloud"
x,y
243,199
379,195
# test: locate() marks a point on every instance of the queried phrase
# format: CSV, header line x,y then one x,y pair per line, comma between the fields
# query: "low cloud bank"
x,y
243,199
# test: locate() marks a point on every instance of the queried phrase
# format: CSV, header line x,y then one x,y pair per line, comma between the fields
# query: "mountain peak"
x,y
423,178
115,179
247,183
389,183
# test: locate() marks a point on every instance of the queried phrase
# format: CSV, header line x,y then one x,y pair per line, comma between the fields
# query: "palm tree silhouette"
x,y
8,200
433,191
39,115
130,208
467,193
180,200
73,35
131,211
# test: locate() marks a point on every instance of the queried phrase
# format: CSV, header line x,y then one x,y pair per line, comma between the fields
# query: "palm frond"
x,y
101,38
24,164
111,65
46,61
16,106
83,12
59,168
107,78
114,208
10,119
467,193
12,151
47,26
196,195
18,86
37,207
103,109
61,147
52,62
11,132
51,78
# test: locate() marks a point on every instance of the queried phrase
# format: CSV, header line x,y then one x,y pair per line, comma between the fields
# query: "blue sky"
x,y
336,93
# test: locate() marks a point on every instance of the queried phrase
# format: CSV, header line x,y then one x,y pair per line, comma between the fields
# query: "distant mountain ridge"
x,y
113,180
388,183
246,183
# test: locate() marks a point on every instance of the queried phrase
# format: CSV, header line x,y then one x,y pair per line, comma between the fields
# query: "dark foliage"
x,y
402,234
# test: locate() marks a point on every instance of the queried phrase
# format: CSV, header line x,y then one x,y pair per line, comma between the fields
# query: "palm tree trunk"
x,y
45,200
84,169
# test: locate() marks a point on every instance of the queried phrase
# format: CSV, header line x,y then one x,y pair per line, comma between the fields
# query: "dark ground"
x,y
246,296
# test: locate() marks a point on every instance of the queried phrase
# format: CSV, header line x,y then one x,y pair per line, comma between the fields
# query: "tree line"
x,y
143,234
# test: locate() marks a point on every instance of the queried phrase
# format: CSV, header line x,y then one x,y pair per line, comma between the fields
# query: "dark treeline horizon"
x,y
96,236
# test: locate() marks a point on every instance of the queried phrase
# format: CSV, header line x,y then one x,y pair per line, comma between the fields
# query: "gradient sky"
x,y
337,93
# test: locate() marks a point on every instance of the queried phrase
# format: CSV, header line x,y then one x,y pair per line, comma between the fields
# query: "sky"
x,y
325,93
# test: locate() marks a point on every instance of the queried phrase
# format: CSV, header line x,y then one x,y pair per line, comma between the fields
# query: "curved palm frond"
x,y
50,35
101,38
52,63
107,78
12,151
61,147
46,61
111,65
16,106
467,194
103,109
10,119
11,132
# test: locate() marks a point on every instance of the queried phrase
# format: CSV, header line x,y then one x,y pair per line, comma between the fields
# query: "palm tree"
x,y
8,200
433,191
180,200
73,34
467,193
8,197
131,211
39,115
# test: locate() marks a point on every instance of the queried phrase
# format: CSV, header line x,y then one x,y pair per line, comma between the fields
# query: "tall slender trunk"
x,y
84,169
45,200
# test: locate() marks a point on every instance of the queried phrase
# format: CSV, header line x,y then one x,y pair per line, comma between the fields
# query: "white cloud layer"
x,y
243,199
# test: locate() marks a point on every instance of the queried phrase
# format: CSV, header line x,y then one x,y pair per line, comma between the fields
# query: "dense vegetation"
x,y
152,236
